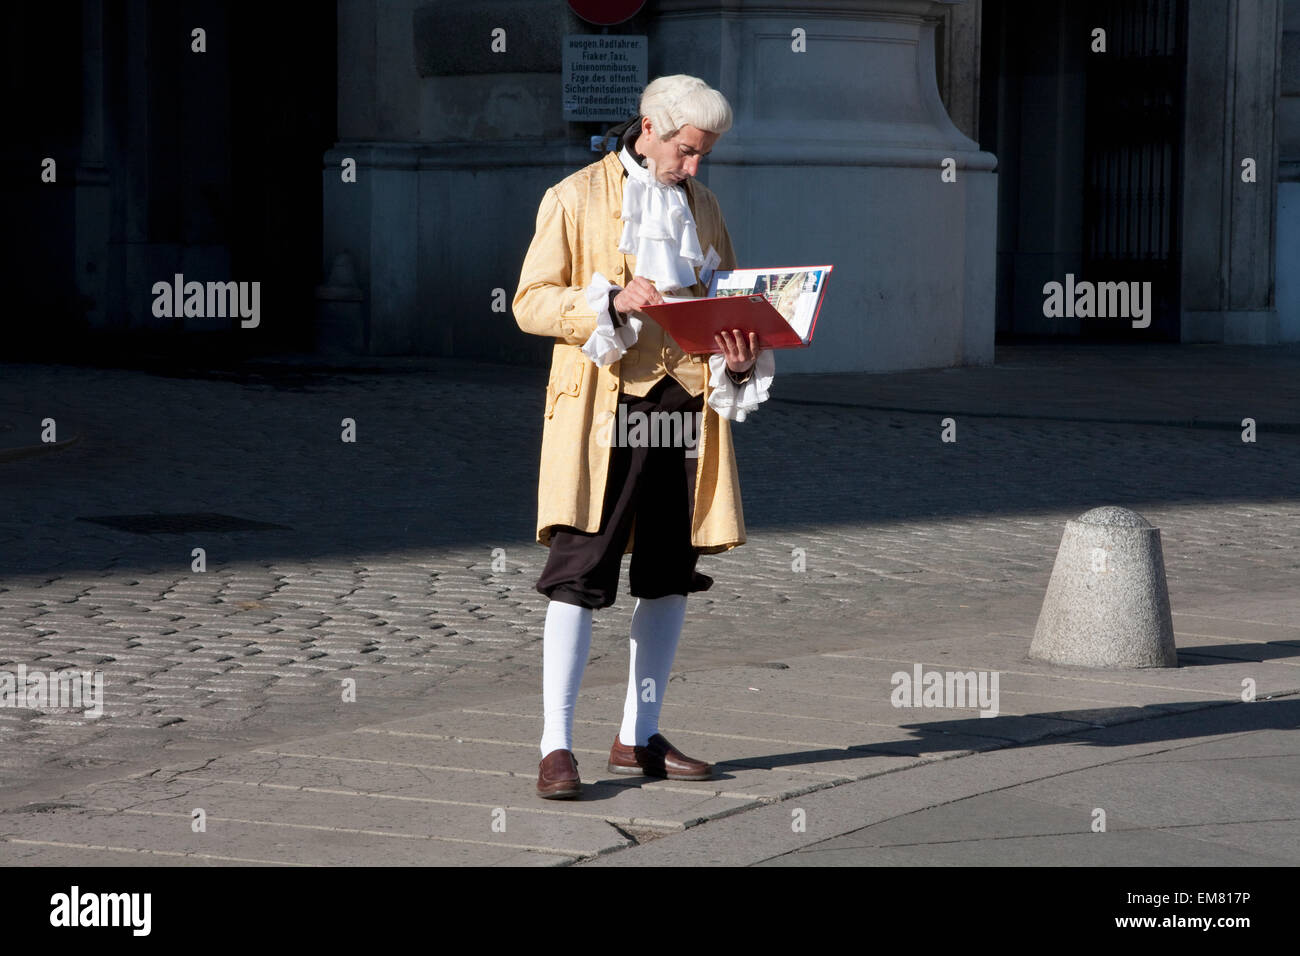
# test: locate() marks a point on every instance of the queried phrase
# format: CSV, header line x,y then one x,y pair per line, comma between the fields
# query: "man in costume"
x,y
636,216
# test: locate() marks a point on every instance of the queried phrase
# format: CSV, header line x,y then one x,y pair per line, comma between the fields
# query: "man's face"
x,y
677,158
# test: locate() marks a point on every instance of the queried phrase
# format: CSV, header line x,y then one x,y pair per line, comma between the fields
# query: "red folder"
x,y
694,323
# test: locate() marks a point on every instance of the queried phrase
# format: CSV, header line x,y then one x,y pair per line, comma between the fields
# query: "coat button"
x,y
613,386
568,330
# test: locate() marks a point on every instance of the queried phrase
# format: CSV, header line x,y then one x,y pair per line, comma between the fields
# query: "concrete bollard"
x,y
1107,603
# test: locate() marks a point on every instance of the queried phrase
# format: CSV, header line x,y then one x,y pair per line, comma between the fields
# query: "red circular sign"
x,y
606,13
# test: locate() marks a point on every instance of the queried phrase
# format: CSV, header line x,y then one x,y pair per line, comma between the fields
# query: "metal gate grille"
x,y
1133,137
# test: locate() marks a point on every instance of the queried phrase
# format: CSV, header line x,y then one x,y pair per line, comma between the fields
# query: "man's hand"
x,y
740,355
639,293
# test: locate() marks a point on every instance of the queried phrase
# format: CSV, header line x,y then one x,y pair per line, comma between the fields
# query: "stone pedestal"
x,y
836,157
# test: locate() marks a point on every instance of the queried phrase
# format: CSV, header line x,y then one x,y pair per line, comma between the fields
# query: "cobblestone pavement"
x,y
386,569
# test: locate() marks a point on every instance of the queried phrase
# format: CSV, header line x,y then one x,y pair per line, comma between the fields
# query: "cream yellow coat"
x,y
578,231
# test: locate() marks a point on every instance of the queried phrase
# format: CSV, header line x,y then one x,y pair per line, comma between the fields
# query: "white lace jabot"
x,y
658,229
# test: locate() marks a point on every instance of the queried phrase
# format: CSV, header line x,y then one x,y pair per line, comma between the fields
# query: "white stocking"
x,y
566,642
656,627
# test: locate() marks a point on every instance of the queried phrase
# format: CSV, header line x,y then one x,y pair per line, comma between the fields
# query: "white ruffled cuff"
x,y
733,401
608,343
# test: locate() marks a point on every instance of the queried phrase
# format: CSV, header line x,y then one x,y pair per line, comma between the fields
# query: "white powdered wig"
x,y
672,102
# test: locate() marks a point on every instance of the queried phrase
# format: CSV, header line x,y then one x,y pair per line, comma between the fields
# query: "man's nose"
x,y
692,165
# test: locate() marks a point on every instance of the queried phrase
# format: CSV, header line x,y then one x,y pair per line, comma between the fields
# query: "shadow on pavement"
x,y
449,458
1124,726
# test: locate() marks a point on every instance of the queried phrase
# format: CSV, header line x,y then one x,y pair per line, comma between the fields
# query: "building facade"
x,y
376,166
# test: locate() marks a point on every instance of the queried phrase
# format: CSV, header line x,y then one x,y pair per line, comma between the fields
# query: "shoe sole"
x,y
561,794
690,776
640,772
626,771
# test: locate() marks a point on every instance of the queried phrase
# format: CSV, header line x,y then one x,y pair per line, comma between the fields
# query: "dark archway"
x,y
1090,151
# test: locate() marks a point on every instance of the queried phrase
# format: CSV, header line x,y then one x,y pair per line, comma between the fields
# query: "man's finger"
x,y
740,346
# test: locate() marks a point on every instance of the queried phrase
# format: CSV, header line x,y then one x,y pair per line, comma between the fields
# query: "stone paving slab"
x,y
1191,811
1220,681
1126,848
293,814
662,807
1209,628
1280,746
1051,699
742,750
1067,693
60,853
1181,793
729,729
1192,796
166,835
519,759
1250,730
1277,843
786,701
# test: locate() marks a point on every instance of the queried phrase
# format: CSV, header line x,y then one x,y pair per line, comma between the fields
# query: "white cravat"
x,y
658,229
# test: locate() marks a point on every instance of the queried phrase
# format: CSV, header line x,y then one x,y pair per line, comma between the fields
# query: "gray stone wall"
x,y
1229,225
1288,190
835,157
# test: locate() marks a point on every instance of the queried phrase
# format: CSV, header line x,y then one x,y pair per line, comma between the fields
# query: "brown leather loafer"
x,y
658,758
557,776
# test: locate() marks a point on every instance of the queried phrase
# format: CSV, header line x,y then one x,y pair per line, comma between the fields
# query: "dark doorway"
x,y
1133,137
169,159
1089,148
283,118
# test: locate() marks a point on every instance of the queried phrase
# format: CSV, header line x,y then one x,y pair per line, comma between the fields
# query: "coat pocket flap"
x,y
566,377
